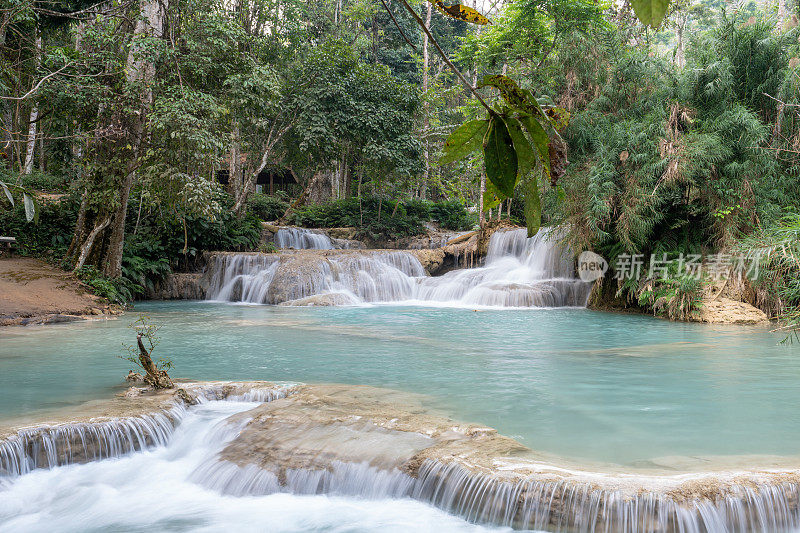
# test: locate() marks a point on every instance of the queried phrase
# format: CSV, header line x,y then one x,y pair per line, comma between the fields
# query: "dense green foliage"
x,y
682,141
777,248
269,208
158,246
378,218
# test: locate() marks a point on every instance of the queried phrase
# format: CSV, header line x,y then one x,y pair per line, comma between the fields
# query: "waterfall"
x,y
154,491
540,505
763,501
80,442
584,507
354,277
48,447
302,239
519,272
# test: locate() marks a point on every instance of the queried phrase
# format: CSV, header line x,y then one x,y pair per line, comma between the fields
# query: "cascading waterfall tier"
x,y
526,504
351,277
392,452
519,272
563,505
292,238
358,441
49,446
302,239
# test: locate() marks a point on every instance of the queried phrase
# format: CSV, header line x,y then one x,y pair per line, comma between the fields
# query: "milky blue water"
x,y
572,382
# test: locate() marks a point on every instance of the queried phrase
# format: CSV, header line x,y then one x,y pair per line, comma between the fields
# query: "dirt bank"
x,y
34,292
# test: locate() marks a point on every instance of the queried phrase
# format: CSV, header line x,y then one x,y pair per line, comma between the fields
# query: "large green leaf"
x,y
500,157
464,140
8,193
540,140
30,210
525,155
491,197
509,90
533,206
650,12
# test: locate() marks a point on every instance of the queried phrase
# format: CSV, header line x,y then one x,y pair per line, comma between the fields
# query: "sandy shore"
x,y
34,292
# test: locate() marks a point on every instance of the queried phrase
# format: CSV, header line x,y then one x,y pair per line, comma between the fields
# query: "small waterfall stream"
x,y
302,239
519,272
47,446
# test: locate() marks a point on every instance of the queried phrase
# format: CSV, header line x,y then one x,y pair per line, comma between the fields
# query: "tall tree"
x,y
117,148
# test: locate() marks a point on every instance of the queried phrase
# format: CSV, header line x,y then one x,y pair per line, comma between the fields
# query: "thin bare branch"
x,y
36,87
450,64
398,25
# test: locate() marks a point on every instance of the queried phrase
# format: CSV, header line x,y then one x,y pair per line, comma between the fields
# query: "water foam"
x,y
519,272
154,490
49,446
532,504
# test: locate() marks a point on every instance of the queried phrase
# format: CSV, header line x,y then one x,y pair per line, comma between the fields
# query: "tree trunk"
x,y
360,207
112,266
234,172
481,214
118,155
143,71
426,106
86,248
80,226
680,48
158,379
30,141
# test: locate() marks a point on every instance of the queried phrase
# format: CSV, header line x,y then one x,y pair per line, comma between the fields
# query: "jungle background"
x,y
137,133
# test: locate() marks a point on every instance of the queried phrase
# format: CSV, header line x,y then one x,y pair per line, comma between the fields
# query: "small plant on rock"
x,y
141,354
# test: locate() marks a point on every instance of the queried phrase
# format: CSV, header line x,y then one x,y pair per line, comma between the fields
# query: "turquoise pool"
x,y
581,384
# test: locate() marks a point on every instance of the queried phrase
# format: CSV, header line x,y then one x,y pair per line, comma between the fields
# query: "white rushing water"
x,y
519,272
180,484
302,239
153,491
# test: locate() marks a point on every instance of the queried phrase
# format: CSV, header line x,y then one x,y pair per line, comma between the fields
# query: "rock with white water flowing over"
x,y
519,272
350,441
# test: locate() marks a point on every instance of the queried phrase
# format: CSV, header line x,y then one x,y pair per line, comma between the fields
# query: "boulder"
x,y
179,286
323,300
723,310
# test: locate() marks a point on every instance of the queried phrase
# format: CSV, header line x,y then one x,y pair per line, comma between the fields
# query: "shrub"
x,y
50,237
376,218
44,181
777,249
675,297
451,214
268,208
114,290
